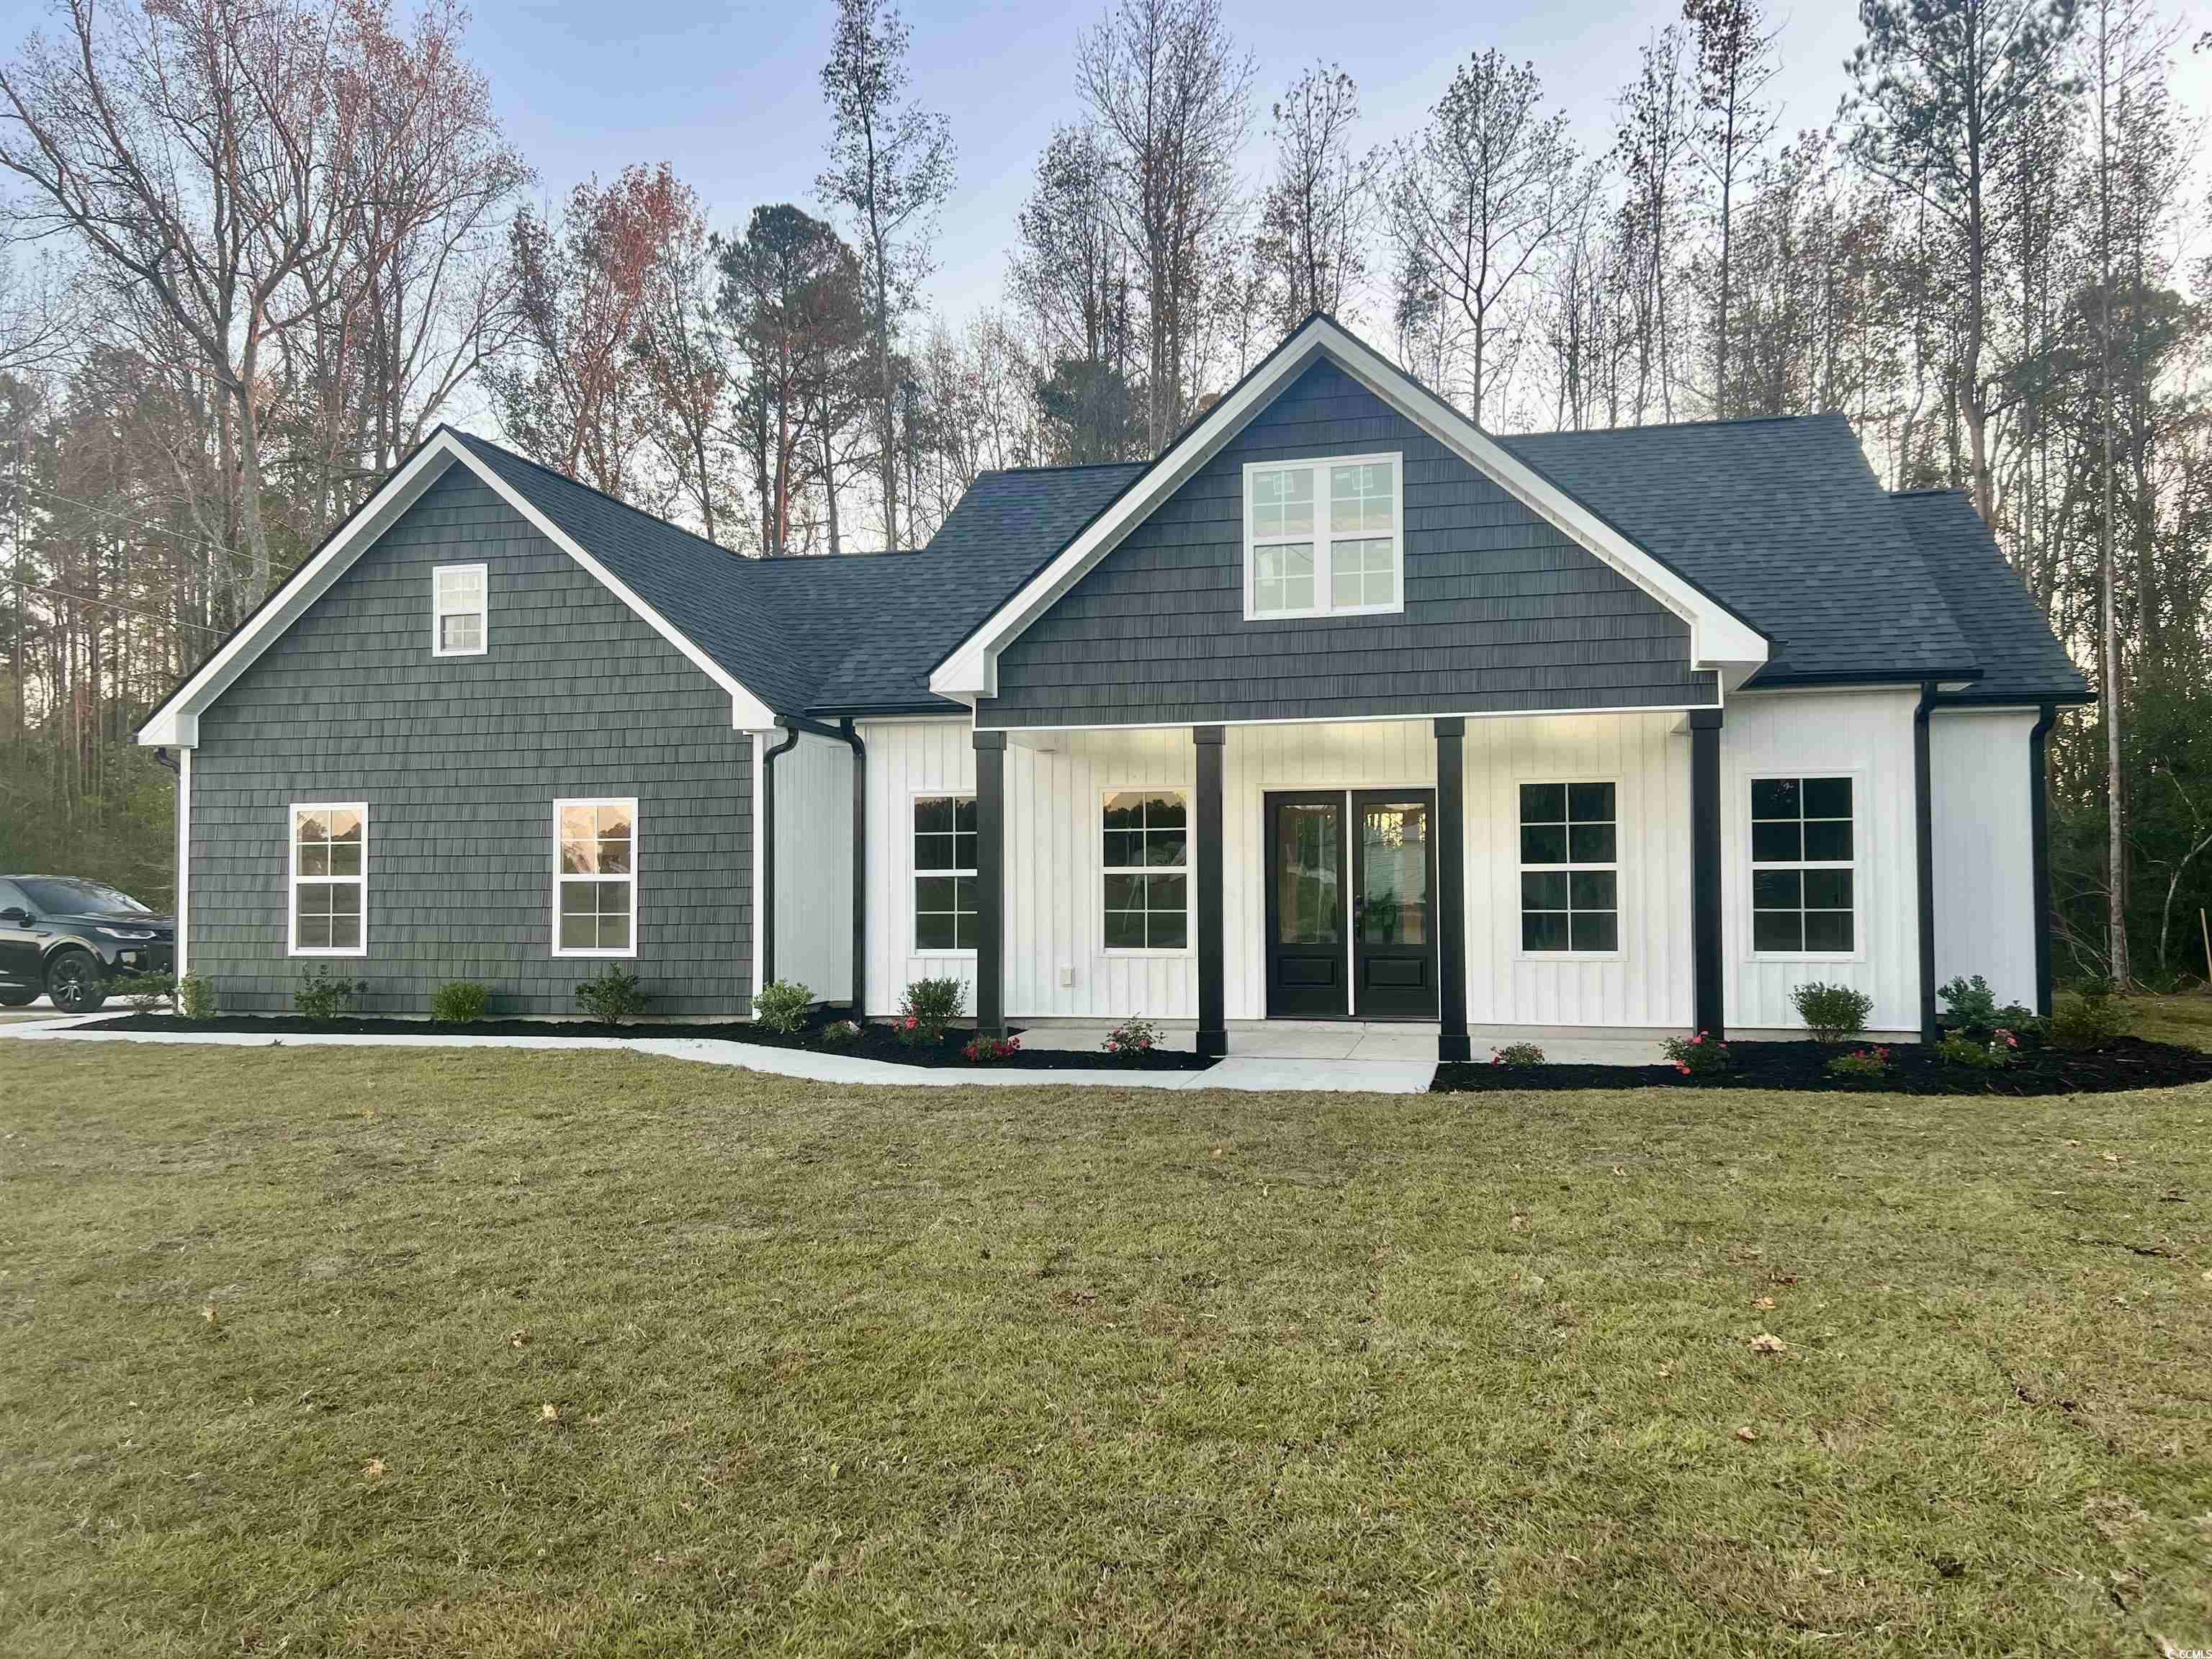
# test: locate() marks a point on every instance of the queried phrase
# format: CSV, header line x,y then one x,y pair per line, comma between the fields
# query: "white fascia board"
x,y
1718,640
175,724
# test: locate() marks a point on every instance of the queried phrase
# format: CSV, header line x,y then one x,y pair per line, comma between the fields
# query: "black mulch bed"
x,y
874,1042
2128,1063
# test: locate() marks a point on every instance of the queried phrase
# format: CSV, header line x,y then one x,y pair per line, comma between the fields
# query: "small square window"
x,y
459,608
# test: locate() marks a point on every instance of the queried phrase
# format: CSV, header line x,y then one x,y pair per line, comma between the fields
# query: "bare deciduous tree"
x,y
1479,195
1171,93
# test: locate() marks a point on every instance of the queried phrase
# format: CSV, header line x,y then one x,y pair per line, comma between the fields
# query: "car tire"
x,y
75,983
18,996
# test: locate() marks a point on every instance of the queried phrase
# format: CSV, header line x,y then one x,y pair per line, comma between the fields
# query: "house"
x,y
1340,707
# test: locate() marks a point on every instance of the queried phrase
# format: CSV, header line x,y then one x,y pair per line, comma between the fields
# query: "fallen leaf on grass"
x,y
518,1340
1746,1433
548,1412
1765,1342
374,1469
1517,1223
1763,1302
208,1314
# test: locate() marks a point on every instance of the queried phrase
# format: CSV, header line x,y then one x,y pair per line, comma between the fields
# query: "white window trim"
x,y
915,873
292,946
636,842
1619,952
1324,543
439,612
1751,867
1188,870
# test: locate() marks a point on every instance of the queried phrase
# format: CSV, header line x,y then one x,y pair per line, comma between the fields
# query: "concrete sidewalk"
x,y
1403,1074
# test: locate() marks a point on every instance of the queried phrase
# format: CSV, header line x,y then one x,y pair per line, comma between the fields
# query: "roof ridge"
x,y
1072,467
1673,426
471,438
1931,489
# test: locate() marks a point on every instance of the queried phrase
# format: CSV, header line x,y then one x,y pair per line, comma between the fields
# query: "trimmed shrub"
x,y
1132,1040
927,1009
145,993
1971,1004
612,997
1697,1056
2091,1018
195,998
1861,1062
782,1006
1518,1053
841,1033
1832,1012
461,1002
323,995
990,1051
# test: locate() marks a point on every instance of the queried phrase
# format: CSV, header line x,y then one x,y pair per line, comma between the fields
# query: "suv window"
x,y
49,897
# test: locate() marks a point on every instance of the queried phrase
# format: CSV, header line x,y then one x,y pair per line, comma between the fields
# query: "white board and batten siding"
x,y
1985,849
1056,784
814,867
1866,736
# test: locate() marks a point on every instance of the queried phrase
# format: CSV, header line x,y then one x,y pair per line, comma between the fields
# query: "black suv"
x,y
68,937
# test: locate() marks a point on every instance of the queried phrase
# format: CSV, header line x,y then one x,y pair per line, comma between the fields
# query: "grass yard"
x,y
374,1352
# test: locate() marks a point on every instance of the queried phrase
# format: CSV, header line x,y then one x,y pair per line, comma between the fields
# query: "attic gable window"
x,y
1324,537
456,611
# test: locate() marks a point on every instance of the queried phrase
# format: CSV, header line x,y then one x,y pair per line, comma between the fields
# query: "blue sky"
x,y
730,97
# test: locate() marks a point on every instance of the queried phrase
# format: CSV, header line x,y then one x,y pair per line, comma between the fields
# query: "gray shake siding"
x,y
460,760
1503,611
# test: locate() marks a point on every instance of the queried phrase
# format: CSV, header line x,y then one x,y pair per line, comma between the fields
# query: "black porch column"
x,y
2039,809
1212,1025
1706,866
990,883
1451,890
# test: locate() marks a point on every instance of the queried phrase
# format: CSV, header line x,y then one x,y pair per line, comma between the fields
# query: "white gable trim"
x,y
1718,639
175,724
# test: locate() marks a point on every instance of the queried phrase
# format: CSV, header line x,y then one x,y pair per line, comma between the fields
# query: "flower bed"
x,y
1912,1069
877,1041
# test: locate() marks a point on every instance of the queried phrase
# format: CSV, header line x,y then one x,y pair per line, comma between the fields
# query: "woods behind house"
x,y
259,248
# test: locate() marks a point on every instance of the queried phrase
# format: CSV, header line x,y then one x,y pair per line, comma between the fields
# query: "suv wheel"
x,y
73,981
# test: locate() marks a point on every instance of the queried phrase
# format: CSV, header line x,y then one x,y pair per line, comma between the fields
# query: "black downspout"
x,y
766,909
1925,844
2039,817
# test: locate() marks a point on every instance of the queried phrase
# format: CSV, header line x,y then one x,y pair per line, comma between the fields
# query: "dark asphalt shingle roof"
x,y
1782,520
2004,629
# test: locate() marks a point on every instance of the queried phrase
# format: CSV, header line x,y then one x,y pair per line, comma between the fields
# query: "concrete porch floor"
x,y
1355,1041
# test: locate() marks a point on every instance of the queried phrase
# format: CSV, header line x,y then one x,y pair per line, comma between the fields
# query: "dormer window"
x,y
456,611
1324,537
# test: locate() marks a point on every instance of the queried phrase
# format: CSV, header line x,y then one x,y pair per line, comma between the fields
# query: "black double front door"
x,y
1351,914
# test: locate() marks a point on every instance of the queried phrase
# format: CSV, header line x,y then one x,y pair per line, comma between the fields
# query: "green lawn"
x,y
420,1352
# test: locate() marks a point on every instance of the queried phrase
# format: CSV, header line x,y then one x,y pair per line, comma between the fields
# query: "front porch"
x,y
1313,887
